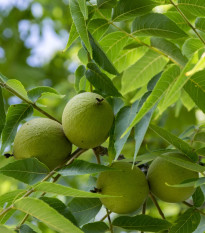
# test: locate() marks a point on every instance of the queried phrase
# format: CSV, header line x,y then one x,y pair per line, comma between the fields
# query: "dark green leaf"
x,y
42,211
187,222
129,9
83,8
2,112
95,227
100,57
141,223
28,171
198,197
81,167
79,73
101,81
106,3
15,114
80,23
26,229
175,141
84,209
60,207
122,121
170,49
193,6
154,24
195,87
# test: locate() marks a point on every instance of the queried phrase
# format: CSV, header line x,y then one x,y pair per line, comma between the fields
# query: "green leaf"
x,y
166,79
187,222
179,83
8,198
193,6
18,87
195,87
35,93
5,229
198,197
185,164
42,211
200,24
150,64
84,209
16,113
95,227
175,141
80,23
73,35
60,207
113,43
106,3
141,223
170,49
66,191
26,229
3,78
2,112
101,58
129,9
122,121
83,8
101,81
28,170
200,65
187,100
81,167
79,73
191,46
154,24
98,27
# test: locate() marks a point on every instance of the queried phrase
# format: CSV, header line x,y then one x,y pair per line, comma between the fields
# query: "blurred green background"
x,y
33,35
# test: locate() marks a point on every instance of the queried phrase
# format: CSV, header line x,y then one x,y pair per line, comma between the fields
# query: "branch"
x,y
74,155
4,85
187,21
109,220
157,205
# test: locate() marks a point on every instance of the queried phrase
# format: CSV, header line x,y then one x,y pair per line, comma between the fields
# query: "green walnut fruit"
x,y
130,184
87,120
44,139
161,172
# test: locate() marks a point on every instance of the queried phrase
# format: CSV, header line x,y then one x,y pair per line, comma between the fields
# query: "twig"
x,y
109,220
74,155
157,205
187,21
104,217
4,85
190,205
144,210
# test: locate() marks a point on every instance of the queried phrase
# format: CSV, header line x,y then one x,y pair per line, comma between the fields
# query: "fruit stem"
x,y
109,220
99,100
144,210
157,205
103,218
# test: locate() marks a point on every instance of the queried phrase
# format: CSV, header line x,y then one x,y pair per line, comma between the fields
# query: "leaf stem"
x,y
4,85
190,205
109,220
157,205
187,21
